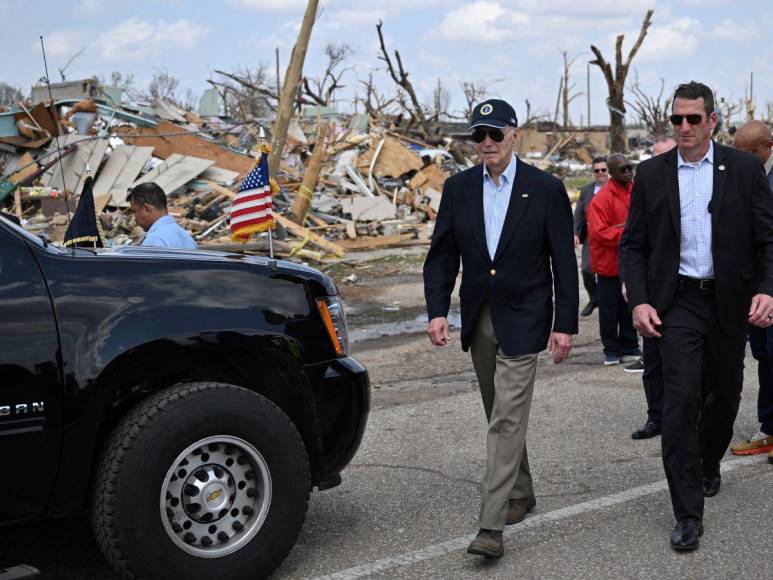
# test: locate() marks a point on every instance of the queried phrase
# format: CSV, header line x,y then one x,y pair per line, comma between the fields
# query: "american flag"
x,y
251,210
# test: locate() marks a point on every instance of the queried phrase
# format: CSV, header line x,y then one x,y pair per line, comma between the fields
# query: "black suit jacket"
x,y
741,210
581,211
535,255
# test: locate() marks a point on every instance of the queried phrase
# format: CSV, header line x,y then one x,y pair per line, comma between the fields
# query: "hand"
x,y
438,331
761,311
645,319
576,241
559,345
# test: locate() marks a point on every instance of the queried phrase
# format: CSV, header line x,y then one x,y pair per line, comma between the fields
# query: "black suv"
x,y
190,399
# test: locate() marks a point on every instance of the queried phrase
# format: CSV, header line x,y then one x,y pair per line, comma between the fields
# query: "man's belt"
x,y
697,283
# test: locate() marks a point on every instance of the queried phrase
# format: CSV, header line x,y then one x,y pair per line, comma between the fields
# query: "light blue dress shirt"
x,y
495,203
696,186
165,233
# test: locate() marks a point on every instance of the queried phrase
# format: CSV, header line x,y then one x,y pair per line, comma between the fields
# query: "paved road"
x,y
409,501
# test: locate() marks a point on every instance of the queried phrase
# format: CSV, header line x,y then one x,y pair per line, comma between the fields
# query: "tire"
x,y
196,461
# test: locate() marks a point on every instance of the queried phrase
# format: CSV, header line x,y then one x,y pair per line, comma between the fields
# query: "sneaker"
x,y
759,443
629,358
611,359
637,367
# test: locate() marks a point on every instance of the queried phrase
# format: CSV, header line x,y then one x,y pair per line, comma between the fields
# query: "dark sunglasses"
x,y
600,170
479,135
677,120
628,167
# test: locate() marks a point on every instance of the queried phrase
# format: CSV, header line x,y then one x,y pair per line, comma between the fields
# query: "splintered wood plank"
x,y
53,176
120,171
89,153
175,172
315,239
169,139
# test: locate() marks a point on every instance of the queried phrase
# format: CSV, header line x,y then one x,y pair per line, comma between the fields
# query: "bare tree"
x,y
400,77
246,93
441,101
616,83
162,87
321,91
9,95
124,82
653,111
567,87
69,62
376,104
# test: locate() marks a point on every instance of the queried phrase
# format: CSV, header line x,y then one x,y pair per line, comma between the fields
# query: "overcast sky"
x,y
516,42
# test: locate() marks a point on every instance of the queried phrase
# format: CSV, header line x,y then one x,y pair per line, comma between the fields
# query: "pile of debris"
x,y
347,182
364,186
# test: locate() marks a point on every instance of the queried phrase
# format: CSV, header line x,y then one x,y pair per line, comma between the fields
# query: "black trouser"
x,y
697,424
652,378
589,281
761,341
615,324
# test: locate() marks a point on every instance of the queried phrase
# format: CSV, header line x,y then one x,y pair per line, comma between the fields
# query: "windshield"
x,y
5,223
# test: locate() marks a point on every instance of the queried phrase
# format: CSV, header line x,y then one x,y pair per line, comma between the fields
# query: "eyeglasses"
x,y
694,119
479,135
600,170
628,167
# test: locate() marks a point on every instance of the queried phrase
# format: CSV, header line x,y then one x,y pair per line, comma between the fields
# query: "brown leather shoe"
x,y
518,508
487,543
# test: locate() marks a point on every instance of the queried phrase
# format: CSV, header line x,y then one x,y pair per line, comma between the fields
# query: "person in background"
x,y
600,176
606,219
755,137
148,204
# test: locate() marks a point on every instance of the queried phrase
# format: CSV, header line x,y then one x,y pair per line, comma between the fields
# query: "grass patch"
x,y
576,182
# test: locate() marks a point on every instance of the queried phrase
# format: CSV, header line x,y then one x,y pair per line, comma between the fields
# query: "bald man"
x,y
755,137
662,145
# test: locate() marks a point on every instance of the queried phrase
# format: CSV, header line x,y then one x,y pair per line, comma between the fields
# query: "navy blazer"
x,y
535,256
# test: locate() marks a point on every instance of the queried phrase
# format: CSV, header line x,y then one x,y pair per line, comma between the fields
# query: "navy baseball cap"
x,y
493,113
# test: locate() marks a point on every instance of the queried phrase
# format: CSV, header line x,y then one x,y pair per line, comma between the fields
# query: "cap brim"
x,y
488,123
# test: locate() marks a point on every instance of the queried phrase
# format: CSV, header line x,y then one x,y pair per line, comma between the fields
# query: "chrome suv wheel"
x,y
215,496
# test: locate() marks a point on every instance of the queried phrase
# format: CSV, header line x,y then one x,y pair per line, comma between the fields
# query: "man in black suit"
x,y
698,265
600,176
511,226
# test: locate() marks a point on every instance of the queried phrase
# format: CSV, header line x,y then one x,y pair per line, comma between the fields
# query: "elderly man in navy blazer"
x,y
510,224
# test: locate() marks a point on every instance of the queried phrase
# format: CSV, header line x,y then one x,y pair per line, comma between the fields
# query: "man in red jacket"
x,y
606,220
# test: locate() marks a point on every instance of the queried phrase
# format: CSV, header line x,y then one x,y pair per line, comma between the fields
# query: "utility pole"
x,y
290,88
587,92
278,85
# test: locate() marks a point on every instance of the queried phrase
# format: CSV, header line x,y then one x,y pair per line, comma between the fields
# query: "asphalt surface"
x,y
408,503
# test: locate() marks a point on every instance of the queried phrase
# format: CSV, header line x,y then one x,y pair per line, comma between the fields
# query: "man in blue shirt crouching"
x,y
148,204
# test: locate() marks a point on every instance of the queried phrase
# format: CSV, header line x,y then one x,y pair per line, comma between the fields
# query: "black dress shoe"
x,y
589,308
711,485
685,536
650,429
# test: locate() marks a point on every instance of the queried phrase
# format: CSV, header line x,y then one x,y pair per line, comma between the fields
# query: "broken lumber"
x,y
315,239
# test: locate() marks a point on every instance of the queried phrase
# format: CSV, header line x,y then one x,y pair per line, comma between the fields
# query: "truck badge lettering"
x,y
22,409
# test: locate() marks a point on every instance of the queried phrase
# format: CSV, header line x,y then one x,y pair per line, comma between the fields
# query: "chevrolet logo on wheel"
x,y
214,495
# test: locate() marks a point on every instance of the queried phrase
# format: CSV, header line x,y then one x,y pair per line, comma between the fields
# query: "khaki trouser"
x,y
506,386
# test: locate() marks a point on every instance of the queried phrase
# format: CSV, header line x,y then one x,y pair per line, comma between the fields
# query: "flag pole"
x,y
271,259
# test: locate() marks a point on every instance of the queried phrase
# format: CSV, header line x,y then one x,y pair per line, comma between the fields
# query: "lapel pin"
x,y
524,195
721,167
